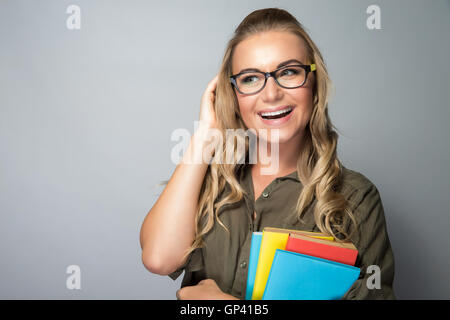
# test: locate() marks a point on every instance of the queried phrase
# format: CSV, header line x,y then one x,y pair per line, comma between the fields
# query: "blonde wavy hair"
x,y
318,166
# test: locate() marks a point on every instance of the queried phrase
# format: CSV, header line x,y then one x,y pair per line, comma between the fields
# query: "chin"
x,y
285,135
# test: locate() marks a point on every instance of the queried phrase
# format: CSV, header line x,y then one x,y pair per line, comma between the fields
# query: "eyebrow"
x,y
282,64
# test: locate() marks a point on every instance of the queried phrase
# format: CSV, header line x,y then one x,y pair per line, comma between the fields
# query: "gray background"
x,y
86,118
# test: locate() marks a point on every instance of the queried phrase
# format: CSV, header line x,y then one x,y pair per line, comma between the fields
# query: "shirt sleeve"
x,y
374,249
193,263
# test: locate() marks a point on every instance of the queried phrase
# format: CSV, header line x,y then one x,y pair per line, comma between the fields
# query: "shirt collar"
x,y
292,176
244,173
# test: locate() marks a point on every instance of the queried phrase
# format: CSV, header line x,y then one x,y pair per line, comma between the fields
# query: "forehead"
x,y
266,50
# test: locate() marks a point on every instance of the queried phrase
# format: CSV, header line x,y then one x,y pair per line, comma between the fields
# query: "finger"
x,y
213,83
213,80
206,281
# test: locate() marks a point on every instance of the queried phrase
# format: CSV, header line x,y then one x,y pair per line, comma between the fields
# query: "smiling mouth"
x,y
276,114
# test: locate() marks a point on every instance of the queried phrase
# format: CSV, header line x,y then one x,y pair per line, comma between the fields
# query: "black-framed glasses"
x,y
288,77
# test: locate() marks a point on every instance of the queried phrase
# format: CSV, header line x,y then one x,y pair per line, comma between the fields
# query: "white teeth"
x,y
275,113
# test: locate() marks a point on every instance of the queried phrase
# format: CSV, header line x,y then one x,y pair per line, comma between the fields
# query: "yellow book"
x,y
272,239
312,234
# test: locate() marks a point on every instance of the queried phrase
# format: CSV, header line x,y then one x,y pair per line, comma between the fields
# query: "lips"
x,y
276,116
271,109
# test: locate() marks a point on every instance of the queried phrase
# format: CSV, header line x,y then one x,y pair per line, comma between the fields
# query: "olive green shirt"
x,y
225,259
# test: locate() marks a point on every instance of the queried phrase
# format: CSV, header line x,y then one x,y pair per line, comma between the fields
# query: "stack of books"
x,y
299,265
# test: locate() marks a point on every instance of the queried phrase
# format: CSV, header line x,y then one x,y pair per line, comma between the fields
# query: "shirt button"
x,y
265,194
243,264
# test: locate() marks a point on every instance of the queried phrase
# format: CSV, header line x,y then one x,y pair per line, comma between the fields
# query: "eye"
x,y
247,79
288,72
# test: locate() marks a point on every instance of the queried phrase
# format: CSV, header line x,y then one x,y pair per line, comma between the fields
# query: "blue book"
x,y
295,276
253,263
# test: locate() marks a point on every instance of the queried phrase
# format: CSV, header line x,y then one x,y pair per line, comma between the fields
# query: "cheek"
x,y
304,100
303,96
246,109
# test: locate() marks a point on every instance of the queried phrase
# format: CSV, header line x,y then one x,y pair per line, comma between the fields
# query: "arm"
x,y
205,290
169,228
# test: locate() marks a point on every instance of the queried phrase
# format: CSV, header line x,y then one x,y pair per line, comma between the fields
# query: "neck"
x,y
278,163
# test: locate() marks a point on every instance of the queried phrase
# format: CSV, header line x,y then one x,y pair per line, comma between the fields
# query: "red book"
x,y
343,252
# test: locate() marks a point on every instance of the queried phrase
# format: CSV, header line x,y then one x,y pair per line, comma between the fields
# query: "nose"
x,y
272,91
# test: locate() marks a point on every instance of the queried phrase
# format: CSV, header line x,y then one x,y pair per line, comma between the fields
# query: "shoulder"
x,y
361,193
354,180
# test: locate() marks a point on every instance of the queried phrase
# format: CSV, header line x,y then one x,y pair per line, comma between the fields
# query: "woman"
x,y
203,220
